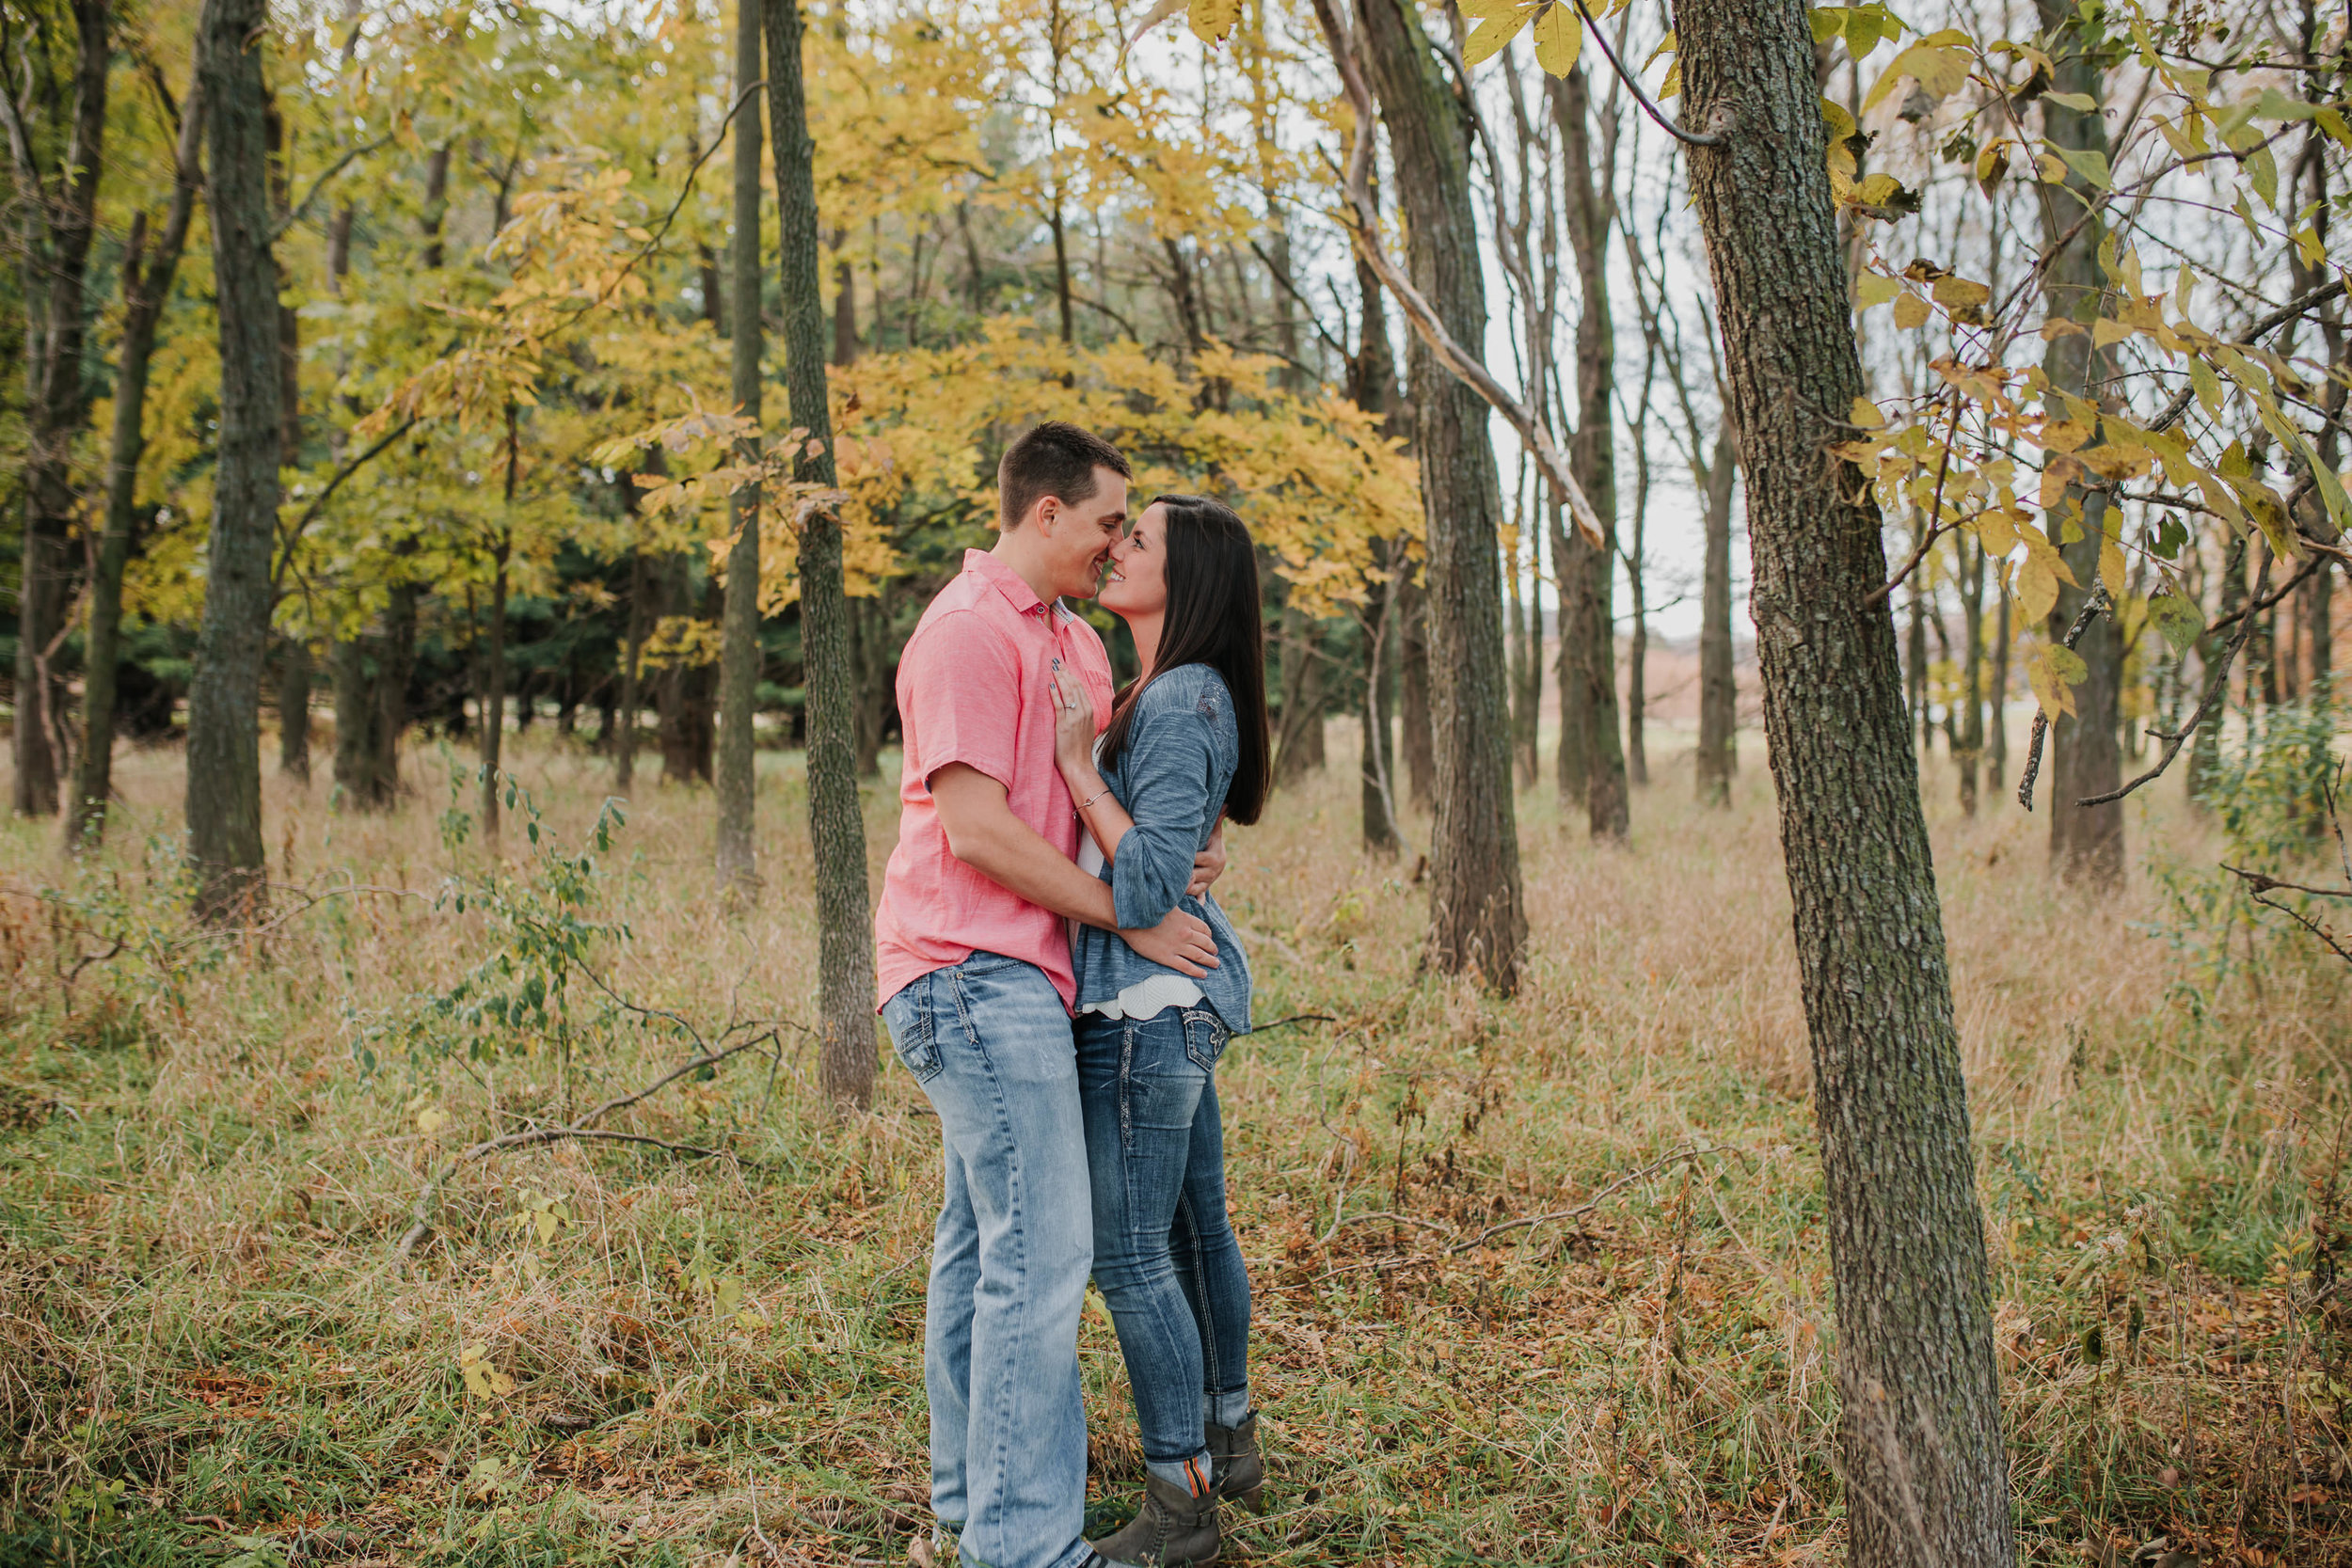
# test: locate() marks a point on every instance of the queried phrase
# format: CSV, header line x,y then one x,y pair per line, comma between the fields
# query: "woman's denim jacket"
x,y
1183,747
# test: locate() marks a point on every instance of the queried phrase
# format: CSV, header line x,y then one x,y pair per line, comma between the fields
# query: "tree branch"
x,y
1364,231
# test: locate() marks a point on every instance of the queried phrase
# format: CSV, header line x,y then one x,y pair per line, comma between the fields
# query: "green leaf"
x,y
2177,621
2089,162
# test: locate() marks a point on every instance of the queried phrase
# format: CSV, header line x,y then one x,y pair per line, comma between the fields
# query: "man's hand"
x,y
1209,865
1183,942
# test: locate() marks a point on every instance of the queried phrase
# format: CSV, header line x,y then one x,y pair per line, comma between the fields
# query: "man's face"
x,y
1079,534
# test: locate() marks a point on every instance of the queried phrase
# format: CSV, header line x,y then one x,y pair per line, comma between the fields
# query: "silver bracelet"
x,y
1079,810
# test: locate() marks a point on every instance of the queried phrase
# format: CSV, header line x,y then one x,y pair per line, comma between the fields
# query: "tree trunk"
x,y
2086,843
869,620
224,781
1971,747
1718,687
493,735
1637,646
146,284
1378,766
1419,738
293,709
1372,386
1517,651
2204,752
1588,638
1996,763
1919,1434
1298,749
739,635
845,959
1478,922
63,218
630,700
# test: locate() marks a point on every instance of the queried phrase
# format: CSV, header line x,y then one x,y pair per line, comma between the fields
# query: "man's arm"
x,y
984,834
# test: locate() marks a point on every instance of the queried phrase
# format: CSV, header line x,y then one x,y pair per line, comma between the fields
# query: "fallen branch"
x,y
585,1130
1687,1152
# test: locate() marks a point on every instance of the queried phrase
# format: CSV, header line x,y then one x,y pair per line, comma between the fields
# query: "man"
x,y
974,959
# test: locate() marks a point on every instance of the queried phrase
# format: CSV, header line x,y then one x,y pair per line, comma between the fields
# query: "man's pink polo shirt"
x,y
975,687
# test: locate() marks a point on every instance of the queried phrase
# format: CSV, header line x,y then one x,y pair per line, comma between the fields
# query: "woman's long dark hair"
x,y
1211,619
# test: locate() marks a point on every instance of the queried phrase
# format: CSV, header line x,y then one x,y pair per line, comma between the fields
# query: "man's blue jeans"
x,y
1164,1255
992,1045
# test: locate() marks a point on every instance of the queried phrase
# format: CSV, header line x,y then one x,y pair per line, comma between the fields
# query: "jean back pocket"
x,y
1204,1038
913,1032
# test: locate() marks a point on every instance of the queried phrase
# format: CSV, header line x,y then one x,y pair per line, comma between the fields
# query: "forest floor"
x,y
1538,1281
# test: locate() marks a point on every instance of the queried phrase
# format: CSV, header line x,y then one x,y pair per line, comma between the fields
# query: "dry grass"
x,y
208,1349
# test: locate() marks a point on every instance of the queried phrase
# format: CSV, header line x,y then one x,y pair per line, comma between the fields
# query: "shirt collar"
x,y
1007,581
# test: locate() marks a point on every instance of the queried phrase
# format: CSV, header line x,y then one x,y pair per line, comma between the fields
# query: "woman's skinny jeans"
x,y
1164,1255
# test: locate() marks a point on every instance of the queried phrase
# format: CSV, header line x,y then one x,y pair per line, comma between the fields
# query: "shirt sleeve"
x,y
960,696
1172,763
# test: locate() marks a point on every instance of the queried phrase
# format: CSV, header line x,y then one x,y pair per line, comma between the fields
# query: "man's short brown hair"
x,y
1056,459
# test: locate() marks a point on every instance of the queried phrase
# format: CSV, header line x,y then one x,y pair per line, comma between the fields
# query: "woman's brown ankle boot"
x,y
1236,1473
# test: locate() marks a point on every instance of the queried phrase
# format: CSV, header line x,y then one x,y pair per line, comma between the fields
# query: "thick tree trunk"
x,y
1478,922
1588,637
1719,688
223,788
147,283
739,634
2086,843
60,223
845,960
1919,1434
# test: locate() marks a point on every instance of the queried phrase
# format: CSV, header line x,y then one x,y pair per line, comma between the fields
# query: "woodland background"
x,y
477,465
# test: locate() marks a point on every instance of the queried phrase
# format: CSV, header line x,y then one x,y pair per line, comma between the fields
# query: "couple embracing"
x,y
1061,983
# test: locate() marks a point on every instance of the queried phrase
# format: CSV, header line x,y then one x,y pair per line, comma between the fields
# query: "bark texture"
x,y
1592,756
1477,919
1719,690
60,207
845,959
224,790
1919,1436
739,623
2085,756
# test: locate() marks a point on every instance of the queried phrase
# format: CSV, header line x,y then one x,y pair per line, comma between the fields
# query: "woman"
x,y
1187,744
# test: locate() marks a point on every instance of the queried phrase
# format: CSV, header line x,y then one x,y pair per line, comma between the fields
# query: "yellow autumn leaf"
x,y
1558,40
1496,26
1211,20
1910,311
2111,568
1957,293
2106,332
1865,415
1874,288
431,1120
2036,587
2064,435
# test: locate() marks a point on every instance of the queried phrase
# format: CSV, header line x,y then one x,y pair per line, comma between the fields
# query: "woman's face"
x,y
1137,582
